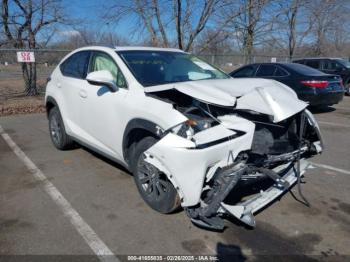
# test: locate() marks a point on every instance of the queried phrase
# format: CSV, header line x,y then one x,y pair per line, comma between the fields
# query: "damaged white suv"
x,y
190,134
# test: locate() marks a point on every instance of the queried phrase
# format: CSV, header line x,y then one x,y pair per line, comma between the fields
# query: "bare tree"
x,y
220,30
328,18
292,25
291,15
206,12
250,25
186,18
22,22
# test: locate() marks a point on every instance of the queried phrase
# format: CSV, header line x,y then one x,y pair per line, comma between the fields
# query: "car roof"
x,y
129,48
146,48
287,66
317,58
267,63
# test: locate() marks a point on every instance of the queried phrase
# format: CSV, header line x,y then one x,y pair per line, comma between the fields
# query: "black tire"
x,y
347,88
57,131
154,187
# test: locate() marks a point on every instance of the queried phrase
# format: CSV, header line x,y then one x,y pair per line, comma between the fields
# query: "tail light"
x,y
315,83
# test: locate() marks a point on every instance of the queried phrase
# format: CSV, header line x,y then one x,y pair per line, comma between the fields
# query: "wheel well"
x,y
132,138
49,106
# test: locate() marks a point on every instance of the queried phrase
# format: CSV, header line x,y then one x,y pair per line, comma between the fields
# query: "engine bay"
x,y
270,139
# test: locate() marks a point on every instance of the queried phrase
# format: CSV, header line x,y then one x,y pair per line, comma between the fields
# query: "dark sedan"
x,y
311,85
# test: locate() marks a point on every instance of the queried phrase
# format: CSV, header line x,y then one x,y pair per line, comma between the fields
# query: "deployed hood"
x,y
261,95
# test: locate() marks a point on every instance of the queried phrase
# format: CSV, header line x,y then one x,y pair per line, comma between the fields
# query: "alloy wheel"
x,y
56,129
153,182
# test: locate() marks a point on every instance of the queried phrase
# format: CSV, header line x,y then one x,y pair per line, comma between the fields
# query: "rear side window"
x,y
247,71
76,65
280,72
331,65
313,63
266,70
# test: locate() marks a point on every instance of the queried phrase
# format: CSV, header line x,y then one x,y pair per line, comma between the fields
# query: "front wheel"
x,y
153,185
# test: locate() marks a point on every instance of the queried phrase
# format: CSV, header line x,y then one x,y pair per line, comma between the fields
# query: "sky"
x,y
84,9
92,10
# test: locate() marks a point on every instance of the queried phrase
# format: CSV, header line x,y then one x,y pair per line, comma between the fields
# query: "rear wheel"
x,y
154,186
347,88
57,131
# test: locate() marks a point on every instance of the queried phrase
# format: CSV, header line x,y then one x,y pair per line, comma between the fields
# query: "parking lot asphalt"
x,y
105,197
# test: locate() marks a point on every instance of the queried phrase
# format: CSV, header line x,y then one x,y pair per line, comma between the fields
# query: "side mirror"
x,y
101,78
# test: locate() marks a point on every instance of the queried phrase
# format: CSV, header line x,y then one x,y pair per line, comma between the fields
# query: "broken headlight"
x,y
190,127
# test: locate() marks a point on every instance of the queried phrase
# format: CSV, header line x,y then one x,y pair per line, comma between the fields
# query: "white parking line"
x,y
331,168
89,235
332,124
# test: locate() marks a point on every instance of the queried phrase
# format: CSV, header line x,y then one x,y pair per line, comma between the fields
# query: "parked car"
x,y
311,85
337,66
187,131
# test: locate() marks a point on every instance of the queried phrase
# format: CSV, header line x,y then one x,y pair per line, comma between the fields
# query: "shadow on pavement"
x,y
229,253
321,109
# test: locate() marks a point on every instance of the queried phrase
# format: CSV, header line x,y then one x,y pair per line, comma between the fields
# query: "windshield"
x,y
344,62
162,67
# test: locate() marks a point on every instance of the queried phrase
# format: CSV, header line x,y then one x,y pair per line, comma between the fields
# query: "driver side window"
x,y
102,61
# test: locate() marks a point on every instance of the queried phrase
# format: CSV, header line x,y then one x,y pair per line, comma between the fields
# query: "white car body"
x,y
103,120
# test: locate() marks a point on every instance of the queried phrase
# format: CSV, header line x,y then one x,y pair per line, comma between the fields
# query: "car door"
x,y
103,110
73,71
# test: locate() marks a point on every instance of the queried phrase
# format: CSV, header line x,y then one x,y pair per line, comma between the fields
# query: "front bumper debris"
x,y
245,210
225,180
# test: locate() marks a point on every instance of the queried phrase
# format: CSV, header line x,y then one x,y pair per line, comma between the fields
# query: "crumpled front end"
x,y
219,150
188,164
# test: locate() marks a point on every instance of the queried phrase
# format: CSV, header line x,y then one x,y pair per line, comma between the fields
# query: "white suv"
x,y
190,134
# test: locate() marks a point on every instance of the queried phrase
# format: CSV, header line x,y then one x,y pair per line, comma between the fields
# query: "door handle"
x,y
83,93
